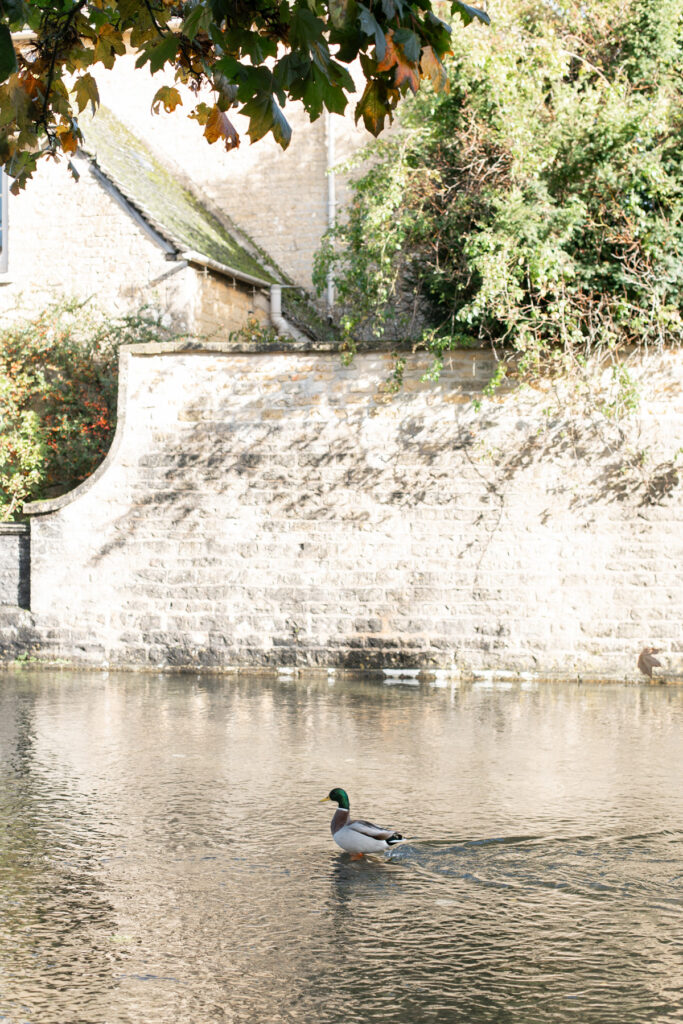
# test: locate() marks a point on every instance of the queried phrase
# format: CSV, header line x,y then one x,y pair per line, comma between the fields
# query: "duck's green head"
x,y
339,797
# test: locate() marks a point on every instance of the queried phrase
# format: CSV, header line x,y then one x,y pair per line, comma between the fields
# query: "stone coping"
x,y
285,346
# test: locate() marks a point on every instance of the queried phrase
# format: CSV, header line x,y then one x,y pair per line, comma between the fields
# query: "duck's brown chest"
x,y
339,819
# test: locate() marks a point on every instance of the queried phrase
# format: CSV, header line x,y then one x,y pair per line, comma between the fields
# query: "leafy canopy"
x,y
253,56
538,203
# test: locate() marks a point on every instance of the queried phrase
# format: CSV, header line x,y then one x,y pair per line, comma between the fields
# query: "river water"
x,y
164,858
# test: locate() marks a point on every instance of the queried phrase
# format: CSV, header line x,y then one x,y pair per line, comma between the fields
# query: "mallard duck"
x,y
358,837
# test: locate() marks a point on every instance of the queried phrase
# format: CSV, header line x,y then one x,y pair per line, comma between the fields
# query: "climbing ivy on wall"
x,y
536,204
58,384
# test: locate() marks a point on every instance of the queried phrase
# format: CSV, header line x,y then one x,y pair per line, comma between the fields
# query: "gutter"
x,y
205,261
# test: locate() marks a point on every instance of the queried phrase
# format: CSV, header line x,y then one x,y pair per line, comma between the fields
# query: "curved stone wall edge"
x,y
39,508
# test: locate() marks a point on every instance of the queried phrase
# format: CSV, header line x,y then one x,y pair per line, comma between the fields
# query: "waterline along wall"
x,y
278,507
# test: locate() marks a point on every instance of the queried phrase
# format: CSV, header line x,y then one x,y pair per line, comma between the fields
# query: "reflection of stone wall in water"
x,y
278,507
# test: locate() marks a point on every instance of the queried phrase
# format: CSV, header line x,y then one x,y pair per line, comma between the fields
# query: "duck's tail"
x,y
396,837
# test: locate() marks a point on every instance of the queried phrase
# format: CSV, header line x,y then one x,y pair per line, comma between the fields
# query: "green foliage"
x,y
58,379
254,332
538,204
253,56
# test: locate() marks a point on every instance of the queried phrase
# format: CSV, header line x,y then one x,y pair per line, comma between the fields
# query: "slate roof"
x,y
171,209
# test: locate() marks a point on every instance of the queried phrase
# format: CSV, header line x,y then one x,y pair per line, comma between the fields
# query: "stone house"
x,y
130,233
158,217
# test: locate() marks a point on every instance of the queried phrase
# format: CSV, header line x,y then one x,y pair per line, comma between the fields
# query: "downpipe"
x,y
279,322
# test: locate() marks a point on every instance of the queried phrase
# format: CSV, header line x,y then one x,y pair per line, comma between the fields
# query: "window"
x,y
3,222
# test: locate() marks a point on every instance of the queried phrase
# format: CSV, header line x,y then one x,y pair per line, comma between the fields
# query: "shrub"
x,y
58,383
538,206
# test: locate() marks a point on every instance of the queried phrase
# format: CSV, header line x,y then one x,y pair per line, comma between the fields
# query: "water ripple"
x,y
163,856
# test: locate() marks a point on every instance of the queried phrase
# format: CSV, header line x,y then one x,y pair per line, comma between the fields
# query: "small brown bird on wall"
x,y
647,661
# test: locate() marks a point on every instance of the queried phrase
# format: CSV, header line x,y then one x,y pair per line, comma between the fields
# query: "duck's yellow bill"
x,y
324,800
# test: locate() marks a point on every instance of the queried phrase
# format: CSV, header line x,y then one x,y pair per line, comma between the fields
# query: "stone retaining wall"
x,y
280,508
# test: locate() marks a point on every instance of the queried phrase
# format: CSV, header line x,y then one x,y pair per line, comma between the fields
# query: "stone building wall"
x,y
222,306
278,507
72,239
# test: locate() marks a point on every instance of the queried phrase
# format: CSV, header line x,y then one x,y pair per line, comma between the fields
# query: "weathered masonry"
x,y
278,507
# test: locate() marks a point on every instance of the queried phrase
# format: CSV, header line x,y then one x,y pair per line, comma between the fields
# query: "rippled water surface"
x,y
164,857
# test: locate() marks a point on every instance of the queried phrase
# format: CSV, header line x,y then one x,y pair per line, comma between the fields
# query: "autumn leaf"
x,y
407,74
376,103
406,71
86,91
219,126
109,46
433,69
168,97
67,138
201,113
390,55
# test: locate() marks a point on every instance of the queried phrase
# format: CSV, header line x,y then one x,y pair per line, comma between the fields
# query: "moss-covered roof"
x,y
163,201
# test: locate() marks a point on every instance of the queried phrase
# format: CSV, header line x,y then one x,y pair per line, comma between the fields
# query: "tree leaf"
x,y
8,58
406,71
305,30
219,126
259,110
201,113
407,74
168,97
282,132
109,44
68,138
163,53
343,12
371,27
86,91
373,107
409,43
433,69
198,18
390,57
468,13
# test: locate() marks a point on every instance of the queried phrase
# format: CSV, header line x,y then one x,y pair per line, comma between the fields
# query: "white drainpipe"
x,y
331,198
281,325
